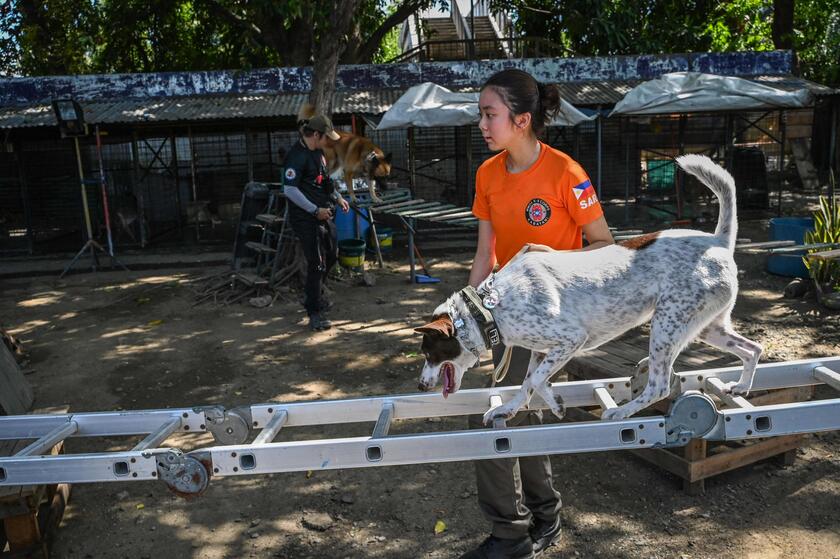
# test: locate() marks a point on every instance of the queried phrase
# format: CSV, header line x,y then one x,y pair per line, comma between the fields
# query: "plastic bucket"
x,y
386,240
351,253
789,229
345,225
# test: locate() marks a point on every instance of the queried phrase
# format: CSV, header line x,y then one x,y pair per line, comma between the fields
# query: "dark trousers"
x,y
317,238
511,491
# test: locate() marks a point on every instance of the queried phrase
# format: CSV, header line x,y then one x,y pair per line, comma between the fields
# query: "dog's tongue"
x,y
448,381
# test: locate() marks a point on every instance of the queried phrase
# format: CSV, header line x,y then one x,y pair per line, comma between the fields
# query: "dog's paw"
x,y
613,414
505,412
736,388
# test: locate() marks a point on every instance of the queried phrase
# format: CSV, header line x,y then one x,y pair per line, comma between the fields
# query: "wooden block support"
x,y
30,515
699,459
15,393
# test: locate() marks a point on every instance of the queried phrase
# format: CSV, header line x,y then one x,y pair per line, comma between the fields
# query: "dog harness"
x,y
479,309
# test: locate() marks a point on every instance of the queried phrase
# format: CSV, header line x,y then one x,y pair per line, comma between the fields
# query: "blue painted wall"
x,y
26,91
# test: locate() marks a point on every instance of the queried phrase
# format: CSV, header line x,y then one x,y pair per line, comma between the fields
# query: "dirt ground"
x,y
133,341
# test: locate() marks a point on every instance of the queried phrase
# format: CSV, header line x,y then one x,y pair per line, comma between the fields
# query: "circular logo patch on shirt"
x,y
537,212
290,173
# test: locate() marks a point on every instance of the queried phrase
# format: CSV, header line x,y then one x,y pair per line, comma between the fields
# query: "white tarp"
x,y
428,105
686,92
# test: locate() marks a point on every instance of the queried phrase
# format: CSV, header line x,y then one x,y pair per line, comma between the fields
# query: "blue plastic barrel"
x,y
345,224
789,229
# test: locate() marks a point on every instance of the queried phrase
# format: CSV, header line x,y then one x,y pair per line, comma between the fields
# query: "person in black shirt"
x,y
313,198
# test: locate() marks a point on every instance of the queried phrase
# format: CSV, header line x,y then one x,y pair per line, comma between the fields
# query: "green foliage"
x,y
614,27
826,230
41,37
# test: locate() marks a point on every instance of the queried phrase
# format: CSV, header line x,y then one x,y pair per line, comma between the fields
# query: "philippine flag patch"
x,y
585,194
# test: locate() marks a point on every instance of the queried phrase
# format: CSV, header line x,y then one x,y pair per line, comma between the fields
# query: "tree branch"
x,y
364,53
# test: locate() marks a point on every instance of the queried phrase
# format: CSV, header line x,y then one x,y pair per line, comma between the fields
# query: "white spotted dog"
x,y
562,304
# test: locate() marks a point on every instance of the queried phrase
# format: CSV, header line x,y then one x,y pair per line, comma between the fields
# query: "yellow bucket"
x,y
351,253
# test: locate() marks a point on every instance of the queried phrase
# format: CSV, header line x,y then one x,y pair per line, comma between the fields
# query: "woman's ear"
x,y
522,121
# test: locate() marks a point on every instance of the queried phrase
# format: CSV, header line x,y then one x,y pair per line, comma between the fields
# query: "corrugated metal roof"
x,y
256,106
199,107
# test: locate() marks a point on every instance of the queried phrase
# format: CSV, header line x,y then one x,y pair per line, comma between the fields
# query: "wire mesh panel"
x,y
157,177
14,227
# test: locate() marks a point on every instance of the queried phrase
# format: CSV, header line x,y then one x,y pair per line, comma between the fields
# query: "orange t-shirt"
x,y
547,204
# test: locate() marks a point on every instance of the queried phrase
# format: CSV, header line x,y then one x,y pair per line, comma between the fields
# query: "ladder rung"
x,y
156,437
251,279
495,402
826,375
383,424
49,440
273,427
716,387
259,247
605,399
269,218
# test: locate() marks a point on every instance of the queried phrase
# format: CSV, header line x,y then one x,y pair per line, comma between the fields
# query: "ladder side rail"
x,y
768,376
451,446
78,468
431,404
99,424
776,420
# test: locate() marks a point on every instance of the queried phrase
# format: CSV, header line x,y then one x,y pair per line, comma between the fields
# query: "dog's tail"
x,y
722,184
307,111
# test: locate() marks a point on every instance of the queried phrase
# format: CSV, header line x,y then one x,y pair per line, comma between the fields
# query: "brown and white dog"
x,y
562,304
352,156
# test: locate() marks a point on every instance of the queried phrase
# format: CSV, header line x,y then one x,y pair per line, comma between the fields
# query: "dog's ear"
x,y
440,325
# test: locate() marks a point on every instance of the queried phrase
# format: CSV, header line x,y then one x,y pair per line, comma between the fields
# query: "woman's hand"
x,y
534,247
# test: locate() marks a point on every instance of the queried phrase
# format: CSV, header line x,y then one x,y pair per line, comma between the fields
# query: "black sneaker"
x,y
319,322
545,533
502,548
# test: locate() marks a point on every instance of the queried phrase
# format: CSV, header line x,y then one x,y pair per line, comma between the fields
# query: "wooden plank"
x,y
15,392
425,213
825,255
798,248
409,209
395,205
696,450
465,213
24,534
665,459
733,459
765,244
430,212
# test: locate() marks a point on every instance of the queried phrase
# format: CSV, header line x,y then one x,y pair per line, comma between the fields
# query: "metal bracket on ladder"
x,y
693,414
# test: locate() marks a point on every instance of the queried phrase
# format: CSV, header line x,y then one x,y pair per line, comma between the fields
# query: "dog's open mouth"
x,y
447,371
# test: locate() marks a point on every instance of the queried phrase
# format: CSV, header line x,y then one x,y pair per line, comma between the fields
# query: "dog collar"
x,y
486,324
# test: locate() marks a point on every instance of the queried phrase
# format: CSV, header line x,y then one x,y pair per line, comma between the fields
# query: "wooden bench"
x,y
700,459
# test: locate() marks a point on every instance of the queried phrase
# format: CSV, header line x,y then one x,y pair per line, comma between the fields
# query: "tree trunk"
x,y
333,42
783,23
